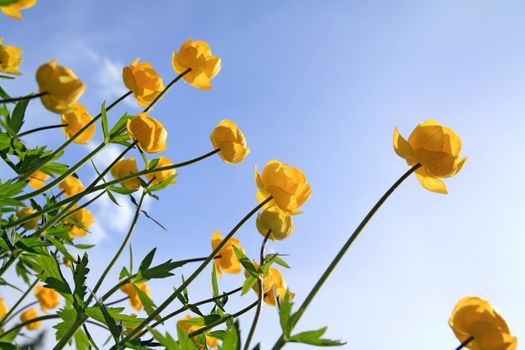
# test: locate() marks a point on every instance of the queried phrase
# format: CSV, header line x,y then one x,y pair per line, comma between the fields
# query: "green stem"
x,y
166,89
71,331
29,289
12,259
297,316
465,343
21,98
25,323
56,126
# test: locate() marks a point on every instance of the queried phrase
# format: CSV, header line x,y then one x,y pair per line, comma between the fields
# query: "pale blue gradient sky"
x,y
321,85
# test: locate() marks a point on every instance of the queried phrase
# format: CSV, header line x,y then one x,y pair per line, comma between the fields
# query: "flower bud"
x,y
149,133
279,223
23,212
36,180
159,176
143,81
80,221
47,297
125,167
196,55
9,59
231,142
71,186
3,309
30,314
77,118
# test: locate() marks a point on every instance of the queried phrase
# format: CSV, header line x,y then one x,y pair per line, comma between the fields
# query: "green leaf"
x,y
60,248
79,277
314,338
163,184
54,168
146,301
185,343
3,94
167,341
104,121
285,309
17,117
3,282
116,313
119,126
68,316
146,262
122,190
113,199
110,322
5,3
214,283
231,340
81,340
248,284
248,265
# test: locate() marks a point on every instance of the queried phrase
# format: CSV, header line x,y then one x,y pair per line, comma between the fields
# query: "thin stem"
x,y
25,323
259,294
21,309
29,289
21,98
281,341
166,89
116,301
56,126
465,343
90,339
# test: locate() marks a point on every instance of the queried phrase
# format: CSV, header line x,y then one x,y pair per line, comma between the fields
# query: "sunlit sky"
x,y
319,85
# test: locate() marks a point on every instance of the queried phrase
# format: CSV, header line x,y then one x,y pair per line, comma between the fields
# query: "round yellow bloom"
x,y
288,187
23,212
231,142
62,86
436,148
36,180
125,167
81,221
13,10
76,118
143,81
3,309
188,328
273,285
196,55
48,298
149,133
134,299
228,262
71,186
9,59
275,220
476,318
29,315
267,280
159,176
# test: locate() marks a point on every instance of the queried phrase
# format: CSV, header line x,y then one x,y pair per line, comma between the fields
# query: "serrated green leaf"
x,y
314,338
68,316
17,117
285,310
79,277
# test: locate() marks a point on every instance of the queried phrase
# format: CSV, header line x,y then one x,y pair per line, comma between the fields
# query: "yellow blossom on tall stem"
x,y
26,211
475,319
436,148
80,221
36,180
134,299
273,286
230,140
13,10
71,186
125,167
143,81
148,132
197,57
9,59
159,176
28,315
3,309
75,119
48,298
228,261
280,224
188,328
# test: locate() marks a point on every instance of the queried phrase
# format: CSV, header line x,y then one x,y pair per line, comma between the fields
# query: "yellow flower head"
x,y
476,318
159,176
267,280
436,148
134,299
273,285
76,118
149,133
29,315
143,81
80,221
9,59
188,328
273,219
231,142
228,261
13,10
196,55
26,211
125,167
3,309
71,186
48,298
61,85
36,180
288,187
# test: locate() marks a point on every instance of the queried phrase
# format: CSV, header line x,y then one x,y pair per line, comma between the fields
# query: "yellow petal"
x,y
402,147
429,182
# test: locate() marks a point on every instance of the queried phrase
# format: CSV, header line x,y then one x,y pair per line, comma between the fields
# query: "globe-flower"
x,y
230,140
13,10
228,261
75,119
60,86
475,318
274,286
286,185
280,224
143,81
26,211
436,148
48,298
134,299
36,180
196,56
125,167
9,59
80,221
148,132
28,315
188,328
3,309
71,186
159,176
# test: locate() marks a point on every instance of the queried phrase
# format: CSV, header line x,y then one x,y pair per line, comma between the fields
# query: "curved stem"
x,y
25,323
166,89
56,126
12,259
116,301
21,98
297,316
29,289
465,343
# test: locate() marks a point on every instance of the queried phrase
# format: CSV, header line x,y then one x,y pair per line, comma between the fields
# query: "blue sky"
x,y
320,85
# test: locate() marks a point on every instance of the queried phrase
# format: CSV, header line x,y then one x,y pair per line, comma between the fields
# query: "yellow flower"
x,y
143,81
71,186
48,298
288,187
29,315
476,318
196,55
76,118
273,285
125,167
149,133
3,309
9,59
36,180
159,176
23,212
134,299
188,328
267,280
61,85
436,148
67,261
81,222
230,140
228,262
275,220
13,10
